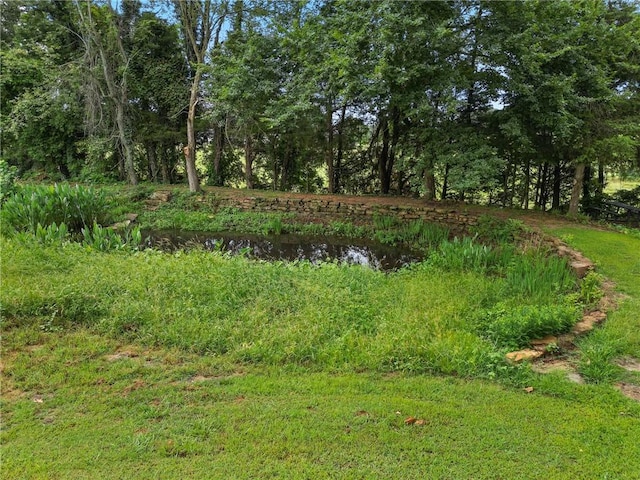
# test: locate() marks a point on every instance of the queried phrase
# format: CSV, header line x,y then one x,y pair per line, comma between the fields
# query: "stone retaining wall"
x,y
458,221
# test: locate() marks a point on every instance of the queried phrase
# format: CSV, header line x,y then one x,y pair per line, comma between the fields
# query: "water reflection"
x,y
289,247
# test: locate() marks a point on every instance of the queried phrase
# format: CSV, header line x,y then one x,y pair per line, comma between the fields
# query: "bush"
x,y
32,206
498,231
630,197
8,175
106,239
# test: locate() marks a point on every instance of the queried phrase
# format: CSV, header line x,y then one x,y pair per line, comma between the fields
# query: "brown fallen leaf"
x,y
528,389
362,413
410,421
38,399
421,422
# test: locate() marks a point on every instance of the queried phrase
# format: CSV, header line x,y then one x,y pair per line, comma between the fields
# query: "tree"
x,y
202,22
105,32
40,107
159,90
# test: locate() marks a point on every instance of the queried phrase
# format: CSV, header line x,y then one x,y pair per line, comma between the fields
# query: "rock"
x,y
541,344
588,321
120,225
131,217
581,268
161,195
527,354
564,251
565,341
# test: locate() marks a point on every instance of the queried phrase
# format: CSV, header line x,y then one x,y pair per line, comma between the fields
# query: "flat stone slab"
x,y
588,321
581,267
541,344
527,354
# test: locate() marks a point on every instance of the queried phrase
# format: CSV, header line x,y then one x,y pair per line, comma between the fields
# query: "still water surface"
x,y
288,247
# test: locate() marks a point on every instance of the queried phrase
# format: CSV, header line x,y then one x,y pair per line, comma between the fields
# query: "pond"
x,y
289,247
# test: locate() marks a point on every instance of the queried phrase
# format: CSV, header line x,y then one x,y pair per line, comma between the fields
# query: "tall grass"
x,y
419,319
467,255
538,277
418,233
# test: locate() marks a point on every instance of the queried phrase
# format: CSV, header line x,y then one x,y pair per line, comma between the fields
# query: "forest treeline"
x,y
521,103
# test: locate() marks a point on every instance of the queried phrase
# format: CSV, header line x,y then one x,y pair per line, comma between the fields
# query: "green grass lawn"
x,y
617,256
201,366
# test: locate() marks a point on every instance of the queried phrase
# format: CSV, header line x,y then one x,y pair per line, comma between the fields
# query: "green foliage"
x,y
619,334
8,175
77,207
346,229
385,222
106,239
392,231
537,277
630,197
514,327
51,234
591,289
498,231
166,413
273,226
468,255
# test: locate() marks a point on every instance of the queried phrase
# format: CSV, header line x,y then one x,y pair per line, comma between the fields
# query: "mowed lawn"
x,y
85,399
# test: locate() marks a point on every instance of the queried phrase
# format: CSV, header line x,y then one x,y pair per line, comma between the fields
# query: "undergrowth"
x,y
427,318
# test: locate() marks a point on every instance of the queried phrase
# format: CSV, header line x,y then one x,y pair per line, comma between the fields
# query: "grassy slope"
x,y
163,414
69,411
618,257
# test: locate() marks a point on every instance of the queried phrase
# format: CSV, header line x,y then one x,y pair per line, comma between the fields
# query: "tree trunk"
x,y
600,178
395,137
383,159
578,179
126,145
557,184
527,184
328,153
544,190
445,182
164,164
216,167
248,162
429,182
152,161
337,174
190,151
586,188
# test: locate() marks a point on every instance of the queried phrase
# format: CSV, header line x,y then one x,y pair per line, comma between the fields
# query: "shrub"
x,y
105,239
77,207
8,175
497,230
